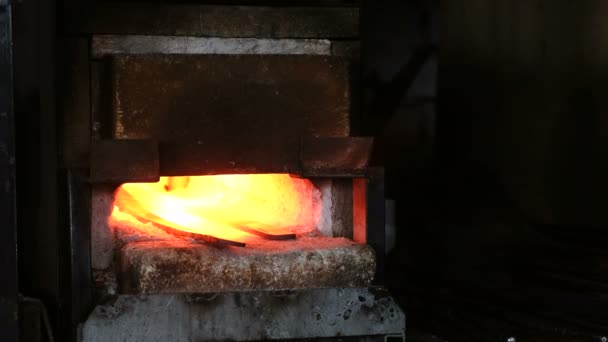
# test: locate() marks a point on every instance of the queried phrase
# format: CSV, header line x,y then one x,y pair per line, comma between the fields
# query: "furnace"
x,y
229,196
228,233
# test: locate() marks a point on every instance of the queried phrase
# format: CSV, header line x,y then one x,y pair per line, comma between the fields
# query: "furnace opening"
x,y
232,208
229,233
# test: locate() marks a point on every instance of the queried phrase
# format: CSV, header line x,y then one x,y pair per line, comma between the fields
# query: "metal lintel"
x,y
121,160
107,45
190,158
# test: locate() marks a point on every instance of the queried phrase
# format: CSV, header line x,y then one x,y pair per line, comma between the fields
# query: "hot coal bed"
x,y
222,192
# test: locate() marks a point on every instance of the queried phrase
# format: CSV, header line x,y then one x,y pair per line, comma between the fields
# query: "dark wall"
x,y
399,87
500,232
521,100
42,239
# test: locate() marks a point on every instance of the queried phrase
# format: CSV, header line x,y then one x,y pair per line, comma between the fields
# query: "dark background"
x,y
496,157
491,123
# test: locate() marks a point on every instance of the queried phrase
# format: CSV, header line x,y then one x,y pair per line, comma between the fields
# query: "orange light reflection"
x,y
217,205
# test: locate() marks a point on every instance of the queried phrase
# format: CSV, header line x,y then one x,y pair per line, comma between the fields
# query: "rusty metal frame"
x,y
79,204
369,215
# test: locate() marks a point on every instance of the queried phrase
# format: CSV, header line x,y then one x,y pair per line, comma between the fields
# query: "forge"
x,y
229,233
224,176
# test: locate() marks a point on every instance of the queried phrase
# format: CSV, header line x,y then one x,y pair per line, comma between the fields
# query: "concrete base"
x,y
246,316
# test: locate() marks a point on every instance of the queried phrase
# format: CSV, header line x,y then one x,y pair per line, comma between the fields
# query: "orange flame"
x,y
220,205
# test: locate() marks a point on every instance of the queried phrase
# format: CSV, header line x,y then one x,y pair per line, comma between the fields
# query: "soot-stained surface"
x,y
180,266
152,261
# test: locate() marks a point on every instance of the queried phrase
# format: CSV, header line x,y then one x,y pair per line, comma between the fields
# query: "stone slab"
x,y
216,114
247,316
104,45
155,267
221,96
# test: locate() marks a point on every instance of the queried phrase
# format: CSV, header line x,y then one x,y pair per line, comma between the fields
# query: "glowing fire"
x,y
221,206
